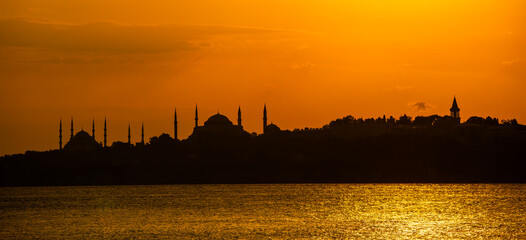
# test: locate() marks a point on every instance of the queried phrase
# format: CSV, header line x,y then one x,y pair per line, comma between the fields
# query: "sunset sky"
x,y
310,62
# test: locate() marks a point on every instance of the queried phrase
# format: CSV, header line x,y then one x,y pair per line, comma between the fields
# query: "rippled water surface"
x,y
374,211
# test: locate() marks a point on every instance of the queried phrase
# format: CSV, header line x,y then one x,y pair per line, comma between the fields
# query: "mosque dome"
x,y
82,141
218,119
82,135
272,128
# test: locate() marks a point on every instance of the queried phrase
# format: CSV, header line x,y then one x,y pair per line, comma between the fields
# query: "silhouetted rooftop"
x,y
455,106
272,128
81,140
218,119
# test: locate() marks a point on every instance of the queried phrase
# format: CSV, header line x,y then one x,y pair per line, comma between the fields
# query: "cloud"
x,y
511,62
113,37
403,87
420,106
299,66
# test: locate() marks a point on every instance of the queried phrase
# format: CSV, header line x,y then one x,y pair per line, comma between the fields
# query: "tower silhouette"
x,y
142,133
239,116
129,134
105,145
60,135
71,136
196,118
93,129
264,117
455,111
175,123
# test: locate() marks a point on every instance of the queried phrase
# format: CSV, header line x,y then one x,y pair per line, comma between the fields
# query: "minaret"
x,y
105,132
239,116
93,129
196,118
175,124
142,134
71,136
129,134
264,118
455,111
60,135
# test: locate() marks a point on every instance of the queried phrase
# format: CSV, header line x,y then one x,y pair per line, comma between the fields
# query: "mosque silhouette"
x,y
217,124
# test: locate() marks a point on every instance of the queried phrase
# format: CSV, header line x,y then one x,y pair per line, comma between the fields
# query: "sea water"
x,y
290,211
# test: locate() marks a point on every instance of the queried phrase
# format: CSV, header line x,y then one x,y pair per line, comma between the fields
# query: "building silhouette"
x,y
239,116
219,124
82,141
196,117
272,129
60,135
175,124
455,111
264,118
142,134
105,133
71,136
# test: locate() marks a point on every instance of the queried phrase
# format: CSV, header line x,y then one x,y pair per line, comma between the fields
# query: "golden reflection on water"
x,y
316,211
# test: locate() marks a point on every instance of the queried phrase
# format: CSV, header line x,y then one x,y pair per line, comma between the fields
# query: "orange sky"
x,y
310,61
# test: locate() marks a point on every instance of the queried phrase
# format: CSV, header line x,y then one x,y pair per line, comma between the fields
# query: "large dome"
x,y
272,128
82,135
218,119
217,127
81,140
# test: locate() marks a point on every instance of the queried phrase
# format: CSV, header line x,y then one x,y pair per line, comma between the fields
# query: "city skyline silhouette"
x,y
427,149
136,134
220,119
